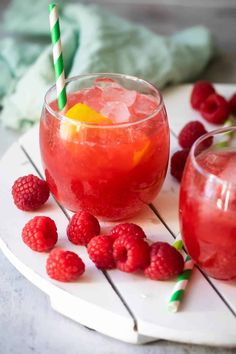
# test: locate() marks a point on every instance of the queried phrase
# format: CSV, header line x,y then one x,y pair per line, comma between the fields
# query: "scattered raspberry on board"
x,y
165,262
232,104
177,163
201,90
100,251
64,266
130,253
215,109
127,229
30,192
40,234
82,227
190,133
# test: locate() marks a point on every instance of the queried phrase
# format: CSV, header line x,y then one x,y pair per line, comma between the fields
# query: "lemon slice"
x,y
84,114
139,154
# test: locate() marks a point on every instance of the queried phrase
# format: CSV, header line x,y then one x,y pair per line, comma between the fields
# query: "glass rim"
x,y
63,118
201,169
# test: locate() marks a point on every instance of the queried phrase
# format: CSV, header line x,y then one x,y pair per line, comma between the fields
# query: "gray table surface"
x,y
27,322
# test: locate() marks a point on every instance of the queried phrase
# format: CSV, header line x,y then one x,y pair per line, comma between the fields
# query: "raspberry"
x,y
127,229
232,104
30,192
40,233
165,262
64,265
130,253
82,227
190,133
215,109
100,251
177,163
201,90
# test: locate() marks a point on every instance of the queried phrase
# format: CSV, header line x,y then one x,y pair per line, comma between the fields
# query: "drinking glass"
x,y
111,171
208,203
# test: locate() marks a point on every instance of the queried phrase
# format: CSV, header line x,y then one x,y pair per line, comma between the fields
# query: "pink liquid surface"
x,y
110,172
208,213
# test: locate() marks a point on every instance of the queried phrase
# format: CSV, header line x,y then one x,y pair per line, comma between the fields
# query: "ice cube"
x,y
117,111
105,82
74,97
101,80
93,97
213,162
229,172
115,92
144,105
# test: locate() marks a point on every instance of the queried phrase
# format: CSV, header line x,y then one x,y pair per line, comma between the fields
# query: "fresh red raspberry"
x,y
201,90
127,229
64,265
177,163
100,251
30,192
82,227
190,133
232,104
215,109
40,234
165,262
130,253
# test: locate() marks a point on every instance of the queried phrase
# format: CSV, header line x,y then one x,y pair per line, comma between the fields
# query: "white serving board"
x,y
129,307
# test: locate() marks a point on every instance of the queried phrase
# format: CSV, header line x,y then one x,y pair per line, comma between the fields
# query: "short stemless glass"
x,y
208,203
113,170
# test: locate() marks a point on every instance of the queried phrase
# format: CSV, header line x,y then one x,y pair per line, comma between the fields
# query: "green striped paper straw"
x,y
180,285
57,56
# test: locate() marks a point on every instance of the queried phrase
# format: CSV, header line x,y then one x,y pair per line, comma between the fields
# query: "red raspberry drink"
x,y
108,153
208,205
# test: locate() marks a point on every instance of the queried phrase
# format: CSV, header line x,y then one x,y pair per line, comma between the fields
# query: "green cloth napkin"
x,y
93,40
